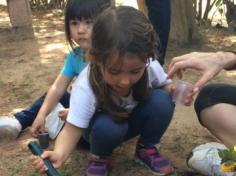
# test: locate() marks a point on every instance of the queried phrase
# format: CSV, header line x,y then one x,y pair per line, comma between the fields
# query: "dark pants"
x,y
149,119
159,13
213,94
27,116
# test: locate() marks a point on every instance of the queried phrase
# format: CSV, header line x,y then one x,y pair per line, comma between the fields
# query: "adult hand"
x,y
38,125
208,64
38,163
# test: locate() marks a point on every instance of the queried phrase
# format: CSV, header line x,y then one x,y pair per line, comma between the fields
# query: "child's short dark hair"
x,y
78,9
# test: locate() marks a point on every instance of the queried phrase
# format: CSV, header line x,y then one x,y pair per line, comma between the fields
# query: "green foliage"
x,y
228,156
219,3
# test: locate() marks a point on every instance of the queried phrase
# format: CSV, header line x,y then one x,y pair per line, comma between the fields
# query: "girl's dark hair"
x,y
120,30
78,9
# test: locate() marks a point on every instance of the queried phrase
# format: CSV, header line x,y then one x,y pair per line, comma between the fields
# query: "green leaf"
x,y
218,3
227,155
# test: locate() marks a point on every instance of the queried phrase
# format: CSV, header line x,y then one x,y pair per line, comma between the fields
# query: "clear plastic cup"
x,y
181,90
43,139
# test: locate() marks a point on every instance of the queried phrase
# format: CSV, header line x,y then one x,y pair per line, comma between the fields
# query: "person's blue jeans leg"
x,y
27,116
159,13
104,134
151,118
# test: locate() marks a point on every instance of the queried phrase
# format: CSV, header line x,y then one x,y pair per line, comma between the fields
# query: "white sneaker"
x,y
10,127
205,159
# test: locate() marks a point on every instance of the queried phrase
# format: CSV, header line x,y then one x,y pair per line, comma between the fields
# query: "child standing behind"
x,y
123,93
79,16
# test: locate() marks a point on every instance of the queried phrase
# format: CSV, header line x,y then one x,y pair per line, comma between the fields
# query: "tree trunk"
x,y
183,26
231,14
19,13
199,15
113,2
20,18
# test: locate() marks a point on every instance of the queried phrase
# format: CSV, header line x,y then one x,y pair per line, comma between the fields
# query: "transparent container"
x,y
181,90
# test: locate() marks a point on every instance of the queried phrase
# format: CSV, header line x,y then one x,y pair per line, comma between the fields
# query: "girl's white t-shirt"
x,y
83,101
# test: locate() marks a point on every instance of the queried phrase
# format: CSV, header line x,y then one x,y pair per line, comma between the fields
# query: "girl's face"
x,y
81,31
122,75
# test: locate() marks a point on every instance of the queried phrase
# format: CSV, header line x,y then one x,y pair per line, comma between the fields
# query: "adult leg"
x,y
159,13
215,107
220,120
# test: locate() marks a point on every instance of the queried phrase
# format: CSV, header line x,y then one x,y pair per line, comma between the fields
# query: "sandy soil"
x,y
29,65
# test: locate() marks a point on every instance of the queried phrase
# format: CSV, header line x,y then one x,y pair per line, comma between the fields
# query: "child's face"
x,y
81,31
122,73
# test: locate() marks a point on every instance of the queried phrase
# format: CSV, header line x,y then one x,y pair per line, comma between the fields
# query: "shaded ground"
x,y
28,67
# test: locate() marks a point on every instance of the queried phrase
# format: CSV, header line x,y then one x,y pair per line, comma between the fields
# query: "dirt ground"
x,y
29,65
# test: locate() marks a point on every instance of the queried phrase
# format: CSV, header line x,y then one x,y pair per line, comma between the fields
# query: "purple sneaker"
x,y
97,166
153,160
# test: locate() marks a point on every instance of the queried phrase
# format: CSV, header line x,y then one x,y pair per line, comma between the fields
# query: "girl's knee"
x,y
161,104
162,99
159,94
107,128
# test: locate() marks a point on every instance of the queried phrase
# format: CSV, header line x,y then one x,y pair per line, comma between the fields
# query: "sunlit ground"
x,y
231,74
4,18
127,2
3,2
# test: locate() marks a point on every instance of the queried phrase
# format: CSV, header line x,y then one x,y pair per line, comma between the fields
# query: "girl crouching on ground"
x,y
121,94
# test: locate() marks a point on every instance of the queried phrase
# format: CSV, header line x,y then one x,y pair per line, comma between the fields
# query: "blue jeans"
x,y
149,119
159,13
27,116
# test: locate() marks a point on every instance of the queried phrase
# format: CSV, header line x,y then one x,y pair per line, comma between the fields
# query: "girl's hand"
x,y
51,155
38,125
169,88
63,114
